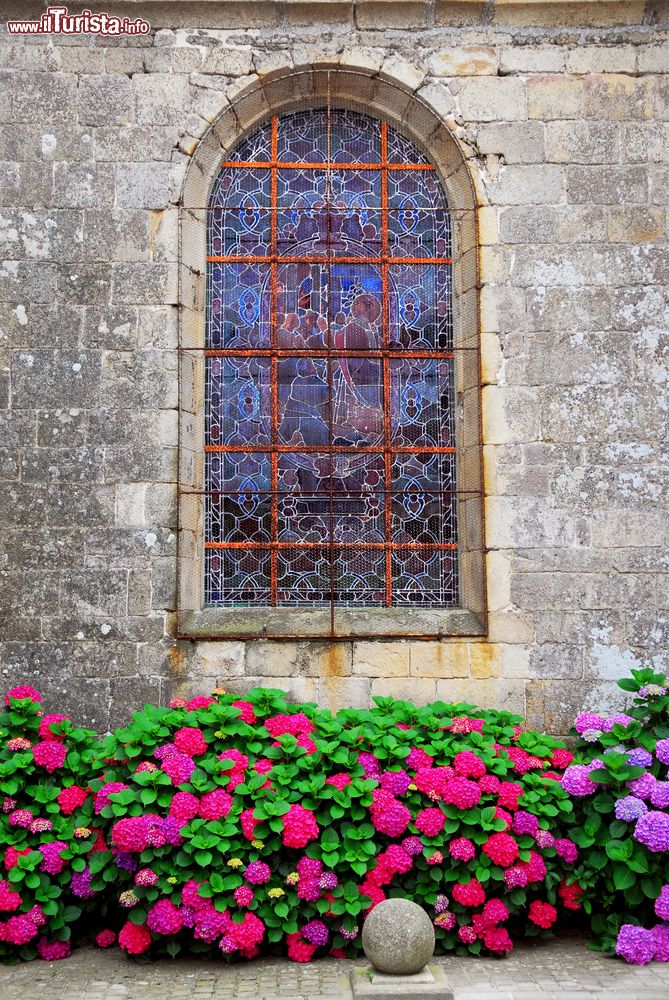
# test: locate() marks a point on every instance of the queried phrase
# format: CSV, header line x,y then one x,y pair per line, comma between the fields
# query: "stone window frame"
x,y
367,92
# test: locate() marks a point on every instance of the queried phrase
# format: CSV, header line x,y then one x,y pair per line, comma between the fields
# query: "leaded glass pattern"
x,y
330,390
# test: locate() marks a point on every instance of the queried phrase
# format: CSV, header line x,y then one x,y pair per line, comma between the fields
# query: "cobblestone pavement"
x,y
561,969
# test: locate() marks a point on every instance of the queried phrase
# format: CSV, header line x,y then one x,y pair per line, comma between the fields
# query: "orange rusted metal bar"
x,y
274,379
314,259
324,449
274,164
445,546
309,352
387,457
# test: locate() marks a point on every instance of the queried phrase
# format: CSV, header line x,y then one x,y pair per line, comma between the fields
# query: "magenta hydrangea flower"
x,y
619,719
164,918
462,849
441,903
662,751
662,903
635,944
328,880
257,873
243,895
81,884
396,782
630,808
566,849
653,831
412,845
53,951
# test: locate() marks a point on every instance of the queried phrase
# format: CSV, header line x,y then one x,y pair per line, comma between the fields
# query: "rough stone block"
x,y
518,184
645,142
142,185
82,185
467,60
529,59
529,224
583,142
554,96
43,98
517,143
602,59
161,98
637,225
439,659
220,659
381,659
490,99
617,97
491,693
610,185
420,691
391,14
653,59
337,693
105,100
144,284
510,414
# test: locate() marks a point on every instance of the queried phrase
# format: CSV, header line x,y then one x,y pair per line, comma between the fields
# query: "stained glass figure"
x,y
330,394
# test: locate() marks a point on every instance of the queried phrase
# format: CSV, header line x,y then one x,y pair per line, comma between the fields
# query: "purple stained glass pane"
x,y
327,478
239,306
421,404
237,401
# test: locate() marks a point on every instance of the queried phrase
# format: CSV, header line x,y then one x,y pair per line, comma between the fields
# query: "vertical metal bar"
x,y
386,366
329,360
274,381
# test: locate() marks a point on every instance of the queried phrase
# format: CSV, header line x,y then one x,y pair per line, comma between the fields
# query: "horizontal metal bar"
x,y
329,259
327,544
339,495
270,352
326,449
281,165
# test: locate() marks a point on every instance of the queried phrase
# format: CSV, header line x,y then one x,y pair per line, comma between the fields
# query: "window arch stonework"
x,y
212,241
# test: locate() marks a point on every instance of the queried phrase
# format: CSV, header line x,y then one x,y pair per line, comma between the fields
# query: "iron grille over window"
x,y
330,396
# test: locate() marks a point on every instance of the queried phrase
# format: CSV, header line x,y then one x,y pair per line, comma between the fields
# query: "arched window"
x,y
330,429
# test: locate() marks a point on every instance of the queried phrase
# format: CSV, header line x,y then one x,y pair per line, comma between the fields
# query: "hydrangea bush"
x,y
241,826
47,838
620,786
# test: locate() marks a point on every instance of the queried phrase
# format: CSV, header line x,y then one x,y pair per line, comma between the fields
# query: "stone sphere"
x,y
398,937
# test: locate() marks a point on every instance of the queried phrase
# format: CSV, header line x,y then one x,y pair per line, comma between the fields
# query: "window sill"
x,y
358,623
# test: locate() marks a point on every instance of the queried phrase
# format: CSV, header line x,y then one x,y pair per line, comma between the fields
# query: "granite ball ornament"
x,y
398,937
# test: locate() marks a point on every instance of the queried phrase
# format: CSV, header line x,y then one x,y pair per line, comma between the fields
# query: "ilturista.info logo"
x,y
58,21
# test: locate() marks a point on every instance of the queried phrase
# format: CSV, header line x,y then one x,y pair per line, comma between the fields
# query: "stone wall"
x,y
561,110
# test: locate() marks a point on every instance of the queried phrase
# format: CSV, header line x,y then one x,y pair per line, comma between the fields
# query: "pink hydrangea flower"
x,y
299,827
190,741
21,692
430,822
257,873
49,754
246,712
215,805
164,918
45,731
179,768
184,806
102,796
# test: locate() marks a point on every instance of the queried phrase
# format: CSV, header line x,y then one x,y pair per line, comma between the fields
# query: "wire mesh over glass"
x,y
330,437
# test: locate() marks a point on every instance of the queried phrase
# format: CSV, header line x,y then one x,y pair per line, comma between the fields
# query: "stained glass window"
x,y
329,418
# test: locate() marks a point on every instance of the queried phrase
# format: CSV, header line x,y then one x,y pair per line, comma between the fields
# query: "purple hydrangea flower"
x,y
125,861
589,720
524,822
652,691
662,751
591,735
639,757
81,884
620,719
653,831
662,903
328,880
660,795
635,944
642,787
412,845
544,838
396,782
660,935
165,751
576,780
630,808
348,935
315,932
441,903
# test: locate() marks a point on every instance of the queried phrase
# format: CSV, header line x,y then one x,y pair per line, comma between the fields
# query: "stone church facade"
x,y
547,126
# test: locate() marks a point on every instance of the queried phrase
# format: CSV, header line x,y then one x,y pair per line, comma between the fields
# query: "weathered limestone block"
x,y
105,100
489,99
